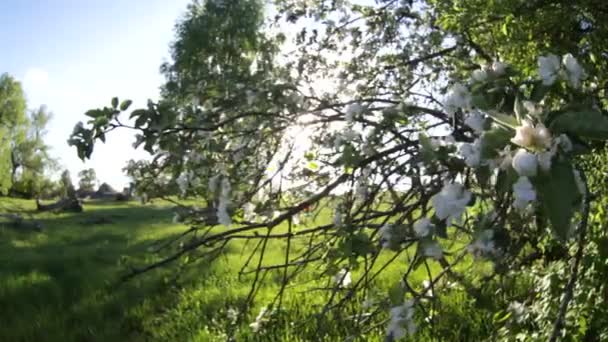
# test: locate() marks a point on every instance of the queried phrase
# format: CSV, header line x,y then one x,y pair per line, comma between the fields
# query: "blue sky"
x,y
73,55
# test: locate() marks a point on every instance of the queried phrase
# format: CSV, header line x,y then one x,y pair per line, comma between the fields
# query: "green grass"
x,y
61,284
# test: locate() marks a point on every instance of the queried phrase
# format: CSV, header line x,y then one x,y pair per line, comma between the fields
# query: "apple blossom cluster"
x,y
461,98
401,321
550,69
352,111
386,235
531,151
528,152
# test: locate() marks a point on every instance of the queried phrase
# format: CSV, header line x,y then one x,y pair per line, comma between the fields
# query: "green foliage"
x,y
31,162
87,180
494,141
559,196
588,124
217,44
12,122
67,187
231,111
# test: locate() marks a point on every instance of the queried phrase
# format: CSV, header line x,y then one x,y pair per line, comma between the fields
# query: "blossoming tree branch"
x,y
355,124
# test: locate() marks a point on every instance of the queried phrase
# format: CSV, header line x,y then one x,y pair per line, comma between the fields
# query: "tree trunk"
x,y
65,204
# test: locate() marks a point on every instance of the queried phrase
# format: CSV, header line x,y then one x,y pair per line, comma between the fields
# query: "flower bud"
x,y
524,134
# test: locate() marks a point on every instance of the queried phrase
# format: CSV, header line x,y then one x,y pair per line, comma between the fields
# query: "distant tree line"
x,y
25,162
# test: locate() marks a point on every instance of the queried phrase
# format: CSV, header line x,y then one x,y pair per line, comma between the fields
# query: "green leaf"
x,y
585,124
125,105
94,113
396,294
559,196
427,152
503,119
141,121
101,121
483,175
81,153
495,140
138,112
479,101
505,29
505,180
115,102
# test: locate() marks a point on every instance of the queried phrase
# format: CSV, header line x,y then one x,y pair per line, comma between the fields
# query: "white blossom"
x,y
249,211
352,111
459,97
296,219
518,310
429,288
479,75
386,235
483,244
232,314
223,216
530,136
349,134
476,121
422,227
544,159
499,68
471,152
548,68
574,71
524,134
532,108
523,193
338,141
542,136
257,325
343,278
401,321
450,202
525,163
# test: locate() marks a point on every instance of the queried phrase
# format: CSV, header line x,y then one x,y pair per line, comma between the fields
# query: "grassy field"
x,y
61,284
